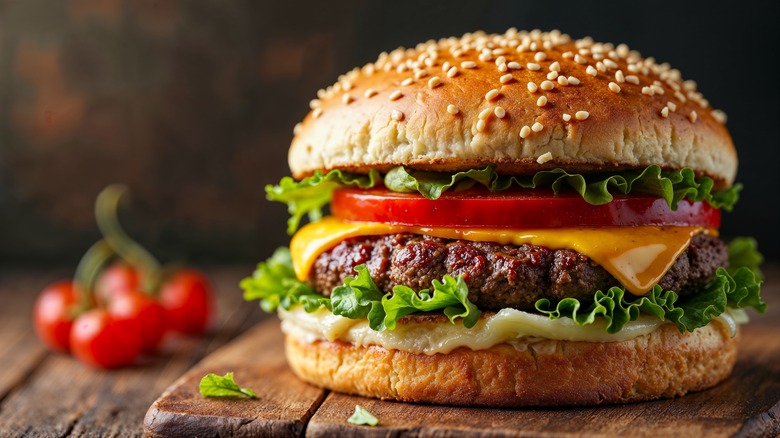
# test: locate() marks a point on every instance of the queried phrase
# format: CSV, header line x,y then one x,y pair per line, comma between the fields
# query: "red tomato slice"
x,y
515,209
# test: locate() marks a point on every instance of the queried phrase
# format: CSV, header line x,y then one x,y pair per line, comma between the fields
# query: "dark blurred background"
x,y
192,104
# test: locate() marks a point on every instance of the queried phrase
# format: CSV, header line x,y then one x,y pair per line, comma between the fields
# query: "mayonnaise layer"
x,y
431,337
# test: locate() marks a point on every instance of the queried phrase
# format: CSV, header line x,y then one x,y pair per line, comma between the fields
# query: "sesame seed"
x,y
581,115
591,71
568,55
525,131
555,66
598,56
434,82
397,115
505,78
468,64
613,87
665,112
500,60
452,109
658,89
499,112
395,95
492,94
572,80
481,124
562,80
346,98
445,66
533,66
502,68
485,113
407,81
610,63
370,93
537,127
347,85
532,87
601,67
648,91
720,116
566,117
632,79
514,65
540,56
633,68
672,106
547,85
452,72
552,75
547,156
619,76
317,113
541,101
485,57
693,116
681,97
579,59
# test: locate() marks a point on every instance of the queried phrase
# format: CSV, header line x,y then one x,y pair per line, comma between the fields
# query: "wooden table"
x,y
48,394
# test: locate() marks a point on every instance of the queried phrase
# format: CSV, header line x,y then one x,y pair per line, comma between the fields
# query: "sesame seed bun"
x,y
663,363
463,103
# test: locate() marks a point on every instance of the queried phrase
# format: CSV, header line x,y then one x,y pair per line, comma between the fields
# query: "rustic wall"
x,y
192,104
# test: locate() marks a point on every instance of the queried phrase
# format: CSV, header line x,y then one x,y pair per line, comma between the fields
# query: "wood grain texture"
x,y
283,405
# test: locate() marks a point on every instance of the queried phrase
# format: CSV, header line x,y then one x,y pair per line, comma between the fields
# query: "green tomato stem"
x,y
89,267
106,214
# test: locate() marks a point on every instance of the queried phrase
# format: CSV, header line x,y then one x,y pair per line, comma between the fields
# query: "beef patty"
x,y
499,276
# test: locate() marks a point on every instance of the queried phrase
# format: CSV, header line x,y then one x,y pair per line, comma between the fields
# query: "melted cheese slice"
x,y
638,257
511,326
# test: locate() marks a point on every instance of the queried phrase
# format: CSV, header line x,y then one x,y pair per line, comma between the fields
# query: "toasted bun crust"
x,y
392,112
663,363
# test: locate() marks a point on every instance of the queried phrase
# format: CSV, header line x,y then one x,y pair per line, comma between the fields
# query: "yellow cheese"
x,y
636,256
512,326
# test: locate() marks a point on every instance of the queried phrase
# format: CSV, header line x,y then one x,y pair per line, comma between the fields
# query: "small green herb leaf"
x,y
212,385
362,416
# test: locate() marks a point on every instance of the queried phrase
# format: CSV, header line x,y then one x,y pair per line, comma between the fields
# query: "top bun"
x,y
463,103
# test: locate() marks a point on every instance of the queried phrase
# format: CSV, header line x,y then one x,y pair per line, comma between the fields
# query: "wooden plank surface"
x,y
746,404
47,394
283,405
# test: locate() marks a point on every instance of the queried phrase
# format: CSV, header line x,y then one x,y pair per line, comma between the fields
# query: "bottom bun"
x,y
664,363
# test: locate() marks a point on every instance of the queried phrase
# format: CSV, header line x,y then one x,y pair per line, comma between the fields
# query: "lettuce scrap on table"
x,y
274,283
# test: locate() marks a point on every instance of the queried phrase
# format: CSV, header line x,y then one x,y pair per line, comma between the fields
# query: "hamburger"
x,y
520,219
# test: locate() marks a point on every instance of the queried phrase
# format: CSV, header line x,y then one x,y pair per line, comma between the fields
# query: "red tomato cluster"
x,y
128,322
108,316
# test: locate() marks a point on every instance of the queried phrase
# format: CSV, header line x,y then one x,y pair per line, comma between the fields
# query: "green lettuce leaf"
x,y
363,417
275,285
743,251
310,195
213,385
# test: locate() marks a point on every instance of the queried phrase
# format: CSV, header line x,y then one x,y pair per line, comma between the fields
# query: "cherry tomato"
x,y
188,301
515,209
141,315
118,277
53,317
98,340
